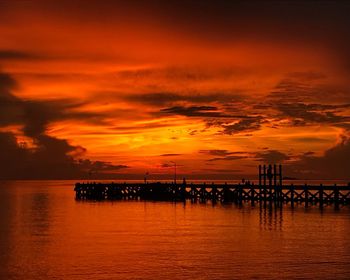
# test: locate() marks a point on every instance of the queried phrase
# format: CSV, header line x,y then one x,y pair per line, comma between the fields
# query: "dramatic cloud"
x,y
139,83
227,171
246,125
161,99
313,113
51,158
35,115
229,158
271,156
334,164
194,111
17,55
216,152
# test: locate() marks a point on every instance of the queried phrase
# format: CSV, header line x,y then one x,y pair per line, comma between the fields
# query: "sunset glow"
x,y
134,88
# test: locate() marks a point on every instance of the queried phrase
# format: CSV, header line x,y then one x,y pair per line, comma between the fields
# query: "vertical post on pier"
x,y
213,192
240,194
203,193
321,196
276,194
292,195
264,183
280,174
336,196
225,193
259,181
183,190
269,177
306,194
193,192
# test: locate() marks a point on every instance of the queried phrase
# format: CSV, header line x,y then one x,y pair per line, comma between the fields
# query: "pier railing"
x,y
238,193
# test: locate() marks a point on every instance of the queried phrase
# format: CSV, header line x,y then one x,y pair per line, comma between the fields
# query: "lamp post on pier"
x,y
174,171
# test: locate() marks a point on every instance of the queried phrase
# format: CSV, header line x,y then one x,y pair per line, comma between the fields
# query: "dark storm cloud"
x,y
307,76
271,156
98,166
334,164
228,158
345,126
304,103
315,22
212,112
217,152
215,170
224,155
308,154
311,22
173,73
52,158
169,165
301,88
194,111
184,73
291,90
17,55
161,99
245,125
35,115
313,113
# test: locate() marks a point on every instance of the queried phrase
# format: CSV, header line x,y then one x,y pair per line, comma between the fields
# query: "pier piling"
x,y
275,191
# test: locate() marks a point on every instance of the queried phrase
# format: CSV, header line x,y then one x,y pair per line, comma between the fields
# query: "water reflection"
x,y
7,213
45,233
271,217
38,214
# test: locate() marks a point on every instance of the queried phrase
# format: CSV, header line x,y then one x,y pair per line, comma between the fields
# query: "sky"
x,y
118,89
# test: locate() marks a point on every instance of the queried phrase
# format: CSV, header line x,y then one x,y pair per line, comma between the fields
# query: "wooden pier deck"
x,y
269,189
237,193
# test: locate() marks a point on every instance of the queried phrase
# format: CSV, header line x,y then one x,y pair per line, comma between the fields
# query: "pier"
x,y
269,189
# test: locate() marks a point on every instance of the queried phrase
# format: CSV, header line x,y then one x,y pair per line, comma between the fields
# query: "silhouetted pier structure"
x,y
270,189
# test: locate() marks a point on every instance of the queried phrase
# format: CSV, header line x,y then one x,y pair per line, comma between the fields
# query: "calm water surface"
x,y
46,234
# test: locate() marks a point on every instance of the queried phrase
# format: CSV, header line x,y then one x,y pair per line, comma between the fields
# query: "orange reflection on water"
x,y
45,233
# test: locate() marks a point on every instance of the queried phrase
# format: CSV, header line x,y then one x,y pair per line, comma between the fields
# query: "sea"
x,y
46,234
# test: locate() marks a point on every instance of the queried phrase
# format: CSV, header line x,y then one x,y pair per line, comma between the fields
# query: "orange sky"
x,y
141,86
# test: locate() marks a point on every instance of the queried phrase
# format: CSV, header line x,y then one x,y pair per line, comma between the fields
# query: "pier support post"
x,y
292,195
306,195
240,194
213,192
226,194
336,196
203,196
321,196
193,192
280,174
252,193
